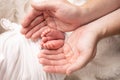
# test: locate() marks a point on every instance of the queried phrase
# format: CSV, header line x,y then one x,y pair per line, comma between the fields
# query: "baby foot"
x,y
52,39
53,44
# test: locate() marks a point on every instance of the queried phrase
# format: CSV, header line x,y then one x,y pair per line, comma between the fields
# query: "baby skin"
x,y
52,39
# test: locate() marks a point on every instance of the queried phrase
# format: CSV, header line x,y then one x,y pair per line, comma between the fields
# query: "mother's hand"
x,y
59,14
79,49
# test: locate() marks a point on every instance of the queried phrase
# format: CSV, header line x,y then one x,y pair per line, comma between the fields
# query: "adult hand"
x,y
63,12
59,14
79,49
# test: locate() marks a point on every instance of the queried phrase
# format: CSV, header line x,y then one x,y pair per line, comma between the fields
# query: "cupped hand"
x,y
58,14
62,10
79,49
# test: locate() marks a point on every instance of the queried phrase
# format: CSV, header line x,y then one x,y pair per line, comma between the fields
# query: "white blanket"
x,y
18,56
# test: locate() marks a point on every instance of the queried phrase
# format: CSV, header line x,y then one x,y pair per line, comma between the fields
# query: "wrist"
x,y
84,16
98,32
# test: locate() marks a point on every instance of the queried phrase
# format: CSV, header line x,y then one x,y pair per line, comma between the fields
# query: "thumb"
x,y
44,5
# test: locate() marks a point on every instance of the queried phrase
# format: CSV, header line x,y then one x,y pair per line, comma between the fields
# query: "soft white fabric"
x,y
18,56
14,10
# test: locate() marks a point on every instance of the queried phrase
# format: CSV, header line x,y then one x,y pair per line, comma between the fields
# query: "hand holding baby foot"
x,y
77,51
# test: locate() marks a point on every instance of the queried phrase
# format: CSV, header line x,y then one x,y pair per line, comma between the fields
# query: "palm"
x,y
61,24
77,51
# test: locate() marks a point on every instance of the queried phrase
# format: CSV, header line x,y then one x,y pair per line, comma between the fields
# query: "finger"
x,y
52,62
37,20
52,57
51,52
37,34
35,29
30,17
32,25
56,69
